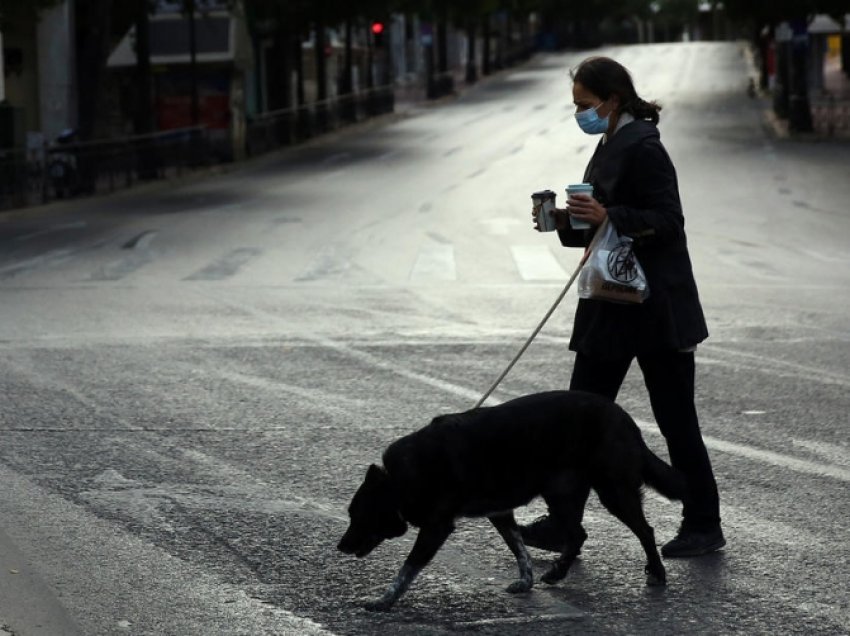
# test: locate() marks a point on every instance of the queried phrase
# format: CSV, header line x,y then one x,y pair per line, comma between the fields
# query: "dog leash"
x,y
587,253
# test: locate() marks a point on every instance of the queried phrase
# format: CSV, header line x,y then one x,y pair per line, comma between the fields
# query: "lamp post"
x,y
799,111
783,37
193,64
2,71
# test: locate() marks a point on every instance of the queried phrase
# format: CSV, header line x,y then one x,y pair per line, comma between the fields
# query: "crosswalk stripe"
x,y
536,262
435,262
226,265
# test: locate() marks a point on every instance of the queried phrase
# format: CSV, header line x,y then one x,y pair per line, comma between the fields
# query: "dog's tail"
x,y
663,478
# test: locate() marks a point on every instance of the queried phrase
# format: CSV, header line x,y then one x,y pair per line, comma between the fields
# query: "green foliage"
x,y
771,11
26,11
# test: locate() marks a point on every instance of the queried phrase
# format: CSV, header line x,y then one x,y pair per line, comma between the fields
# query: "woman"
x,y
635,188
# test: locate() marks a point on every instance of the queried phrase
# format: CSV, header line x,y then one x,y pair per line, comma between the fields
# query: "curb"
x,y
28,603
777,127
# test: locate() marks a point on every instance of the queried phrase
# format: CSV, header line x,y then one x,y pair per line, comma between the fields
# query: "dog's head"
x,y
374,515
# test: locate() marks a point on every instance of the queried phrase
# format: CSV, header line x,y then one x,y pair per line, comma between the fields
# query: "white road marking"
x,y
500,225
329,262
74,225
765,456
536,262
435,262
520,620
833,257
792,369
321,398
839,455
748,452
50,258
369,359
741,450
225,489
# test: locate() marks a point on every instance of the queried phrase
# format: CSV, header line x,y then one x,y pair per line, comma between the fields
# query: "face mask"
x,y
590,122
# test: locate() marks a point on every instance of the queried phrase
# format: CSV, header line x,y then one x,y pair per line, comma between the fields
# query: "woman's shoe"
x,y
691,543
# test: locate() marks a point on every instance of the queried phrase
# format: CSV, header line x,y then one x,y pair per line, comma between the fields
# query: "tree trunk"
x,y
346,84
799,108
780,91
500,44
370,61
485,53
279,69
442,44
193,64
321,63
471,62
143,115
298,51
93,30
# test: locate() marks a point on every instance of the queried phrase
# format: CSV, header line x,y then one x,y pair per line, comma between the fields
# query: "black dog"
x,y
488,461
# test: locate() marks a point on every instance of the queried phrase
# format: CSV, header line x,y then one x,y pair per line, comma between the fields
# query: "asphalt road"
x,y
196,376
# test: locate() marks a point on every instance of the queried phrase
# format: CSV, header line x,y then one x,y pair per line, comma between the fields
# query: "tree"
x,y
470,15
94,37
22,11
673,17
143,114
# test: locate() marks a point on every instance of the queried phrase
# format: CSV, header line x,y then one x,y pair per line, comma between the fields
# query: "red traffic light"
x,y
377,28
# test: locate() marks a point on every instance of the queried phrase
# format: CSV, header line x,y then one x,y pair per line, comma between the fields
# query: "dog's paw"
x,y
380,605
520,586
553,575
654,580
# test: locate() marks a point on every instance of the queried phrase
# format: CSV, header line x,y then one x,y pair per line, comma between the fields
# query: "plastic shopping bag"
x,y
612,271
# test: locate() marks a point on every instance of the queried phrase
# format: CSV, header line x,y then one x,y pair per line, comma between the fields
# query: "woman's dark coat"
x,y
633,177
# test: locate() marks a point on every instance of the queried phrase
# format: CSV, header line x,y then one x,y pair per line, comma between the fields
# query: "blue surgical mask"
x,y
590,122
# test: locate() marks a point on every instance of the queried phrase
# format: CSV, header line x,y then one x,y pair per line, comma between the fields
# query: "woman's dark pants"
x,y
669,379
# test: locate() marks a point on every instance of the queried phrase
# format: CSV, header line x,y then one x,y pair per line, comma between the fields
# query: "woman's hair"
x,y
604,77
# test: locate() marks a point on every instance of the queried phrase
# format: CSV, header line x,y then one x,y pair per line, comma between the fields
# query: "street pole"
x,y
799,110
143,120
427,40
783,37
485,52
2,71
471,62
193,65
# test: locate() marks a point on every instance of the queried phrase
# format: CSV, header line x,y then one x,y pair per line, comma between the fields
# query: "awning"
x,y
824,24
219,37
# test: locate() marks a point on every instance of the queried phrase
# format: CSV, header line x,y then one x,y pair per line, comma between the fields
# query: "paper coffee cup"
x,y
579,188
544,203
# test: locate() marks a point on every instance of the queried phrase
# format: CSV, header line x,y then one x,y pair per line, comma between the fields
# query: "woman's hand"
x,y
585,208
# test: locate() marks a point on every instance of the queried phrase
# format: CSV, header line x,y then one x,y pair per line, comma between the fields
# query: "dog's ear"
x,y
377,474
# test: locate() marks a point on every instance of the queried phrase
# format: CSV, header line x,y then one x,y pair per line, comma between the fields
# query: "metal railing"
x,y
273,129
831,116
63,170
71,169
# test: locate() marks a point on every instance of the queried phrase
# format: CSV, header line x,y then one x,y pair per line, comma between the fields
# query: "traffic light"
x,y
378,29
